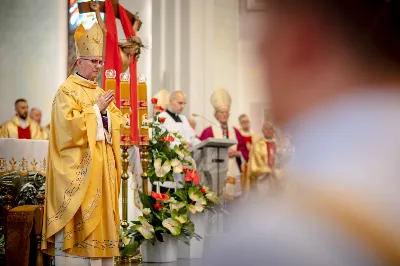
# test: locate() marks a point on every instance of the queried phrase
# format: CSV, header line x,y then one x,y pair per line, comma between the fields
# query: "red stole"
x,y
24,133
271,151
113,60
248,139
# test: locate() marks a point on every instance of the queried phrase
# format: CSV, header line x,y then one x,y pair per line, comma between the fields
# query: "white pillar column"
x,y
177,50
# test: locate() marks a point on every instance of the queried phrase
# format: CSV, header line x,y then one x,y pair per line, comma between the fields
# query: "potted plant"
x,y
167,217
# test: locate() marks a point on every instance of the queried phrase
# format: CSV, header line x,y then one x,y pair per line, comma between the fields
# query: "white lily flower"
x,y
180,154
161,170
212,197
146,211
177,206
145,228
177,166
126,240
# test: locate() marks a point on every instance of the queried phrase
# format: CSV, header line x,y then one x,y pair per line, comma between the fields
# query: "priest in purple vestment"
x,y
238,154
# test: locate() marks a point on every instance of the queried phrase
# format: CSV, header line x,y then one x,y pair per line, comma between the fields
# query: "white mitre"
x,y
162,98
221,100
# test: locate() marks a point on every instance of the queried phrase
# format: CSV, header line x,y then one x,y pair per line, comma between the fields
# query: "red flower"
x,y
157,206
168,138
202,190
161,119
185,169
154,100
159,196
159,108
192,175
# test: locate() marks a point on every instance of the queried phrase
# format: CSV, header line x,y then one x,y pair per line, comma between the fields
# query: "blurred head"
x,y
244,122
177,102
192,123
89,66
316,50
222,115
268,130
36,115
21,108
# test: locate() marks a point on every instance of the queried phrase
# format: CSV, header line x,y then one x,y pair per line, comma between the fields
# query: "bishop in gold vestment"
x,y
262,155
81,216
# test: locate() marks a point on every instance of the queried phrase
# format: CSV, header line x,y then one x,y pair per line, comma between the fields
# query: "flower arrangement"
x,y
170,212
168,153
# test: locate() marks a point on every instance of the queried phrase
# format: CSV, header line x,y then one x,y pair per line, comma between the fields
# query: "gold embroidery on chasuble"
x,y
82,185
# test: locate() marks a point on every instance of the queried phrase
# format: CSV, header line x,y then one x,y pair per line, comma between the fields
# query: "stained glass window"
x,y
75,19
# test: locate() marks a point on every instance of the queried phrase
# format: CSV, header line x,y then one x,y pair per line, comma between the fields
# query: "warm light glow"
x,y
141,78
124,77
111,74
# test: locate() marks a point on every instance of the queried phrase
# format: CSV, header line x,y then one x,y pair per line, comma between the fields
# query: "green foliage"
x,y
166,213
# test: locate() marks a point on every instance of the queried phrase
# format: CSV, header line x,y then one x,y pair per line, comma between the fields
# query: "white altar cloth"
x,y
23,156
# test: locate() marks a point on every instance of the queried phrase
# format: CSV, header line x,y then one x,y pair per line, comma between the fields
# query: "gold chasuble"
x,y
83,175
262,158
12,129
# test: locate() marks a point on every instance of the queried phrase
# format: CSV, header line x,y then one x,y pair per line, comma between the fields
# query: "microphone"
x,y
208,120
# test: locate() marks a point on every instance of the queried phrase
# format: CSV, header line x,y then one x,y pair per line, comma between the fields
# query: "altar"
x,y
22,169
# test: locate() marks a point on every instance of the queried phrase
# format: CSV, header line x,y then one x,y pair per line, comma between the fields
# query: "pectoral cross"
x,y
84,7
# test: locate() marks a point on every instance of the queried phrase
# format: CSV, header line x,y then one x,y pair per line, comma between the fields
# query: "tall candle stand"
x,y
125,145
144,155
124,224
144,131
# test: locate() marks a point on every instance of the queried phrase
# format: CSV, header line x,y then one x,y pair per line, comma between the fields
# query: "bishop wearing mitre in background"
x,y
221,101
262,156
81,217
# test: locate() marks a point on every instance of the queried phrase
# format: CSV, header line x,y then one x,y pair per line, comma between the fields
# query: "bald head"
x,y
177,102
36,115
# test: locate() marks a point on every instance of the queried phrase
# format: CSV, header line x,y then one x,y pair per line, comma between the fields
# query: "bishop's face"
x,y
90,66
222,116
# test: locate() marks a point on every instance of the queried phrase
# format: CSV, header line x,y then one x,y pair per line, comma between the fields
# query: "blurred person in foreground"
x,y
333,71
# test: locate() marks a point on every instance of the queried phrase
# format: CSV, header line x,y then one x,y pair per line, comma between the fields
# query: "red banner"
x,y
112,56
113,61
128,29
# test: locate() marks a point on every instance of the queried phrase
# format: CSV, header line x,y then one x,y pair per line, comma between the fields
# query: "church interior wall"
x,y
33,52
214,44
194,46
251,79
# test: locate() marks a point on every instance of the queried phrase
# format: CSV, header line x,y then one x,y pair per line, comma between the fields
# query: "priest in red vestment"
x,y
21,126
238,154
249,135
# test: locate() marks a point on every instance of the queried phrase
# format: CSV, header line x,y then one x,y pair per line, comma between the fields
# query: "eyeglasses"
x,y
223,112
94,61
